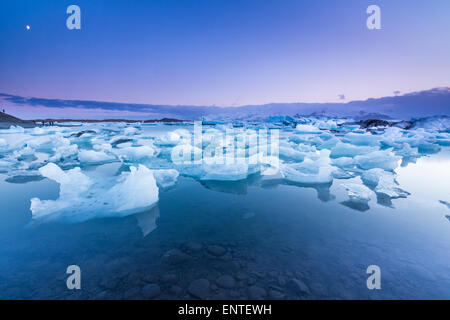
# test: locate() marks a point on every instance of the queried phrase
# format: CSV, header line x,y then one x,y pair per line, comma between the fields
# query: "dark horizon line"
x,y
35,101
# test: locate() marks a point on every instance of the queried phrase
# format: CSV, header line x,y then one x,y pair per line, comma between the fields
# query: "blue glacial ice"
x,y
315,152
82,197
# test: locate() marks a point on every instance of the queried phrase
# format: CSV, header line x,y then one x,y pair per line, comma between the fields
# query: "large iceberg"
x,y
81,197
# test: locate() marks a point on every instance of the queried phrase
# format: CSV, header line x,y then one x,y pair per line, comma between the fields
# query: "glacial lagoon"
x,y
108,198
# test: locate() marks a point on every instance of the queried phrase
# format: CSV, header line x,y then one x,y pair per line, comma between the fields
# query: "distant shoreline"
x,y
6,121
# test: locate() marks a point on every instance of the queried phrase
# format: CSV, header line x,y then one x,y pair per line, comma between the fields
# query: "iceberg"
x,y
82,198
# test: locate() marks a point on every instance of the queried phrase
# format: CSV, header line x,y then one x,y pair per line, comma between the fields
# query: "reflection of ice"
x,y
445,203
147,220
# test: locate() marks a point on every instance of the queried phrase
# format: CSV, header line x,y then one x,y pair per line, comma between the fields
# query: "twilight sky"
x,y
222,52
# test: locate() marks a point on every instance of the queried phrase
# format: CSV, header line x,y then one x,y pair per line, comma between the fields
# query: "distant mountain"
x,y
412,105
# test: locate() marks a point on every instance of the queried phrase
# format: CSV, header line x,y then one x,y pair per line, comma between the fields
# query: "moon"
x,y
28,27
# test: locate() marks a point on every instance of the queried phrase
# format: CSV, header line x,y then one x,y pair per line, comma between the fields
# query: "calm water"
x,y
268,235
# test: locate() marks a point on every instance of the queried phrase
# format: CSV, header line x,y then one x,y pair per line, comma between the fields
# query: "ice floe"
x,y
81,197
312,152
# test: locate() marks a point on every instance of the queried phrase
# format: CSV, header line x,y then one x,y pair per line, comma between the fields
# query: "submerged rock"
x,y
175,256
151,291
216,250
256,293
192,246
199,288
226,281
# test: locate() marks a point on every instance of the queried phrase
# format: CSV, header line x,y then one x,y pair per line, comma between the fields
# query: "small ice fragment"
x,y
428,148
378,159
135,153
225,172
383,182
166,178
307,128
129,131
357,192
348,150
91,156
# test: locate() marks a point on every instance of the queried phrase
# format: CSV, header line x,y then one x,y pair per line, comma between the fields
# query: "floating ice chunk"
x,y
310,171
428,148
407,152
64,152
307,128
326,124
91,156
392,136
118,140
378,159
135,153
146,142
225,172
329,144
15,129
130,131
302,174
364,139
185,154
175,137
105,147
344,162
357,192
383,182
342,174
135,191
349,150
170,139
25,152
72,184
48,142
38,131
288,153
166,178
81,198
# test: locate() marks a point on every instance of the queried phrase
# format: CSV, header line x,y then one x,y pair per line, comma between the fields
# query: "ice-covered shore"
x,y
311,151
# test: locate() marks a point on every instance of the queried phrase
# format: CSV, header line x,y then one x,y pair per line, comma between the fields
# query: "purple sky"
x,y
223,52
